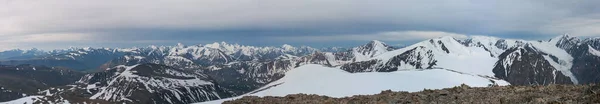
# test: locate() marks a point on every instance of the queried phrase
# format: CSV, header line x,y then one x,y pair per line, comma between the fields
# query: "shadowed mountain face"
x,y
22,80
188,74
586,57
528,67
586,66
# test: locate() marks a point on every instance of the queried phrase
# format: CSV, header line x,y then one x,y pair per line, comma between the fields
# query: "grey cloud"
x,y
206,20
386,36
24,16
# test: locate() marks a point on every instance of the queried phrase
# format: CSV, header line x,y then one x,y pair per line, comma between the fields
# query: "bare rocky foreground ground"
x,y
551,94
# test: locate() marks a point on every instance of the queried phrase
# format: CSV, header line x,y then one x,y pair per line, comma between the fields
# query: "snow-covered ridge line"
x,y
447,52
216,45
479,52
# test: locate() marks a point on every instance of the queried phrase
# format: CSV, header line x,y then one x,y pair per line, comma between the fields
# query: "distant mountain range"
x,y
198,73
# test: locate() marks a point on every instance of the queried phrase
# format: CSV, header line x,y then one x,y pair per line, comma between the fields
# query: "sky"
x,y
55,24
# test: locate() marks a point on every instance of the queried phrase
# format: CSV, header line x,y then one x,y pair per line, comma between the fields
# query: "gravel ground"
x,y
551,94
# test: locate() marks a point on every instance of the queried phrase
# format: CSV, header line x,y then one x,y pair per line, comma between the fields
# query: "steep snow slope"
x,y
446,52
317,79
475,60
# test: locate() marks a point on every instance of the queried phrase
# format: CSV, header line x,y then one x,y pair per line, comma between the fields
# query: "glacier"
x,y
333,82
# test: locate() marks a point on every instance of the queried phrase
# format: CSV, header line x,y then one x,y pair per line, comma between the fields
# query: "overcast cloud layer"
x,y
50,24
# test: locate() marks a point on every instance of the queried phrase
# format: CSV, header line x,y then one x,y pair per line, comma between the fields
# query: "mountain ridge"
x,y
235,69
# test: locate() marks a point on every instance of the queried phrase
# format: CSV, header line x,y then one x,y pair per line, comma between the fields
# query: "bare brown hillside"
x,y
553,94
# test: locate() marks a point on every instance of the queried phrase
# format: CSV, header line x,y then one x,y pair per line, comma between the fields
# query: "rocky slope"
x,y
554,94
151,83
585,56
527,66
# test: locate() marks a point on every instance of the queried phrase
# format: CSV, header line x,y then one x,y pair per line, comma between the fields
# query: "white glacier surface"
x,y
320,80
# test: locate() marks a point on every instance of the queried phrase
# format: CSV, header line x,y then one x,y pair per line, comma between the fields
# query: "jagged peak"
x,y
566,35
564,41
224,45
562,37
371,49
376,42
214,45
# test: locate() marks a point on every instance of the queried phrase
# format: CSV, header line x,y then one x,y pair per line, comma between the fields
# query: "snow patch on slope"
x,y
510,58
36,99
593,51
320,80
475,61
24,100
114,91
448,53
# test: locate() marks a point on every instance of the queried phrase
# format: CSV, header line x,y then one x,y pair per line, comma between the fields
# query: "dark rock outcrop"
x,y
22,80
527,66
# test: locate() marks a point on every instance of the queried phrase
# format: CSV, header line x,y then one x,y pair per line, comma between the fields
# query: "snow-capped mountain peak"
x,y
561,37
565,41
376,42
288,47
215,45
224,46
370,50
